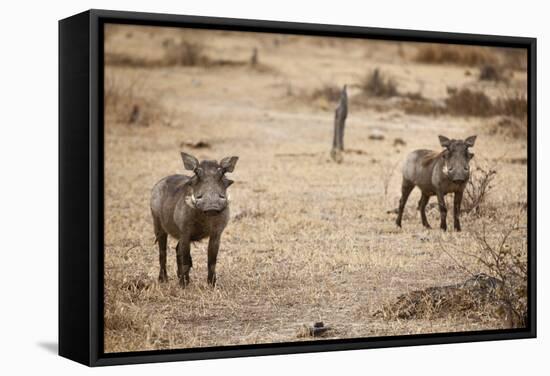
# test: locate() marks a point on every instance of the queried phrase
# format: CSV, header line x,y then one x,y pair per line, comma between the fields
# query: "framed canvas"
x,y
233,187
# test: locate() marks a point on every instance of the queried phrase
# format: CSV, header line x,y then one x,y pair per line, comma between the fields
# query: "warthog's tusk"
x,y
445,169
190,201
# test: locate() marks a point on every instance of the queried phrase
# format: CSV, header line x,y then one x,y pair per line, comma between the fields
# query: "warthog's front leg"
x,y
213,247
180,264
442,210
183,255
457,203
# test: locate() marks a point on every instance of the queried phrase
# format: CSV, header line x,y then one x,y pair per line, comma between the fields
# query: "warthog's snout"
x,y
211,204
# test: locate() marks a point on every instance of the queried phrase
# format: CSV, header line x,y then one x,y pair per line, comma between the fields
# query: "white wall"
x,y
28,157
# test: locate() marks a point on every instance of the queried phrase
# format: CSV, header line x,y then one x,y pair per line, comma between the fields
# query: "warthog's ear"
x,y
228,163
444,141
190,162
470,141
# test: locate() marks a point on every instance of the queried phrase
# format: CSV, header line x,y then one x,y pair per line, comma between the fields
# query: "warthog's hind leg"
x,y
162,238
406,189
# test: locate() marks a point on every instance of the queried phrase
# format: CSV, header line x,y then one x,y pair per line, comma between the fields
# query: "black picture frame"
x,y
81,186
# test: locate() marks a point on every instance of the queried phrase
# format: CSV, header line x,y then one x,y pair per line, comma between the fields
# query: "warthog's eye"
x,y
466,168
450,168
221,195
198,197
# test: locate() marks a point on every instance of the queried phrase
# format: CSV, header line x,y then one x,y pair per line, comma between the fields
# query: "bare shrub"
x,y
328,92
422,106
124,102
490,72
184,53
466,102
254,57
477,189
121,59
455,54
377,85
515,58
509,127
504,259
514,104
387,176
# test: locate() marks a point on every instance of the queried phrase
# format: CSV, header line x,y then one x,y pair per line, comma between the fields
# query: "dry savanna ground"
x,y
309,239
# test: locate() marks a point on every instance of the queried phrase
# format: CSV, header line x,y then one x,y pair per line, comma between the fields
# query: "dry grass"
x,y
455,54
327,92
515,58
466,102
126,103
514,105
490,72
509,127
309,240
185,53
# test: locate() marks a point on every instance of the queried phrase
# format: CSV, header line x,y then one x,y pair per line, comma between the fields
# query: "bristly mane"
x,y
430,157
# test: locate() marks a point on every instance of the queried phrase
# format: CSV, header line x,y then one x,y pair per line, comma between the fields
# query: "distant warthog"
x,y
437,174
191,209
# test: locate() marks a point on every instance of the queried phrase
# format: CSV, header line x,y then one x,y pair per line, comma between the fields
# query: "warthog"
x,y
191,209
437,174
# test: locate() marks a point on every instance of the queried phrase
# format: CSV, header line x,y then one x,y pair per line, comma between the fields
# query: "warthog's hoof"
x,y
211,281
184,281
163,275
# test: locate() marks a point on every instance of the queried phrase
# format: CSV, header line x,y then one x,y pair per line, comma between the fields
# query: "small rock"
x,y
376,135
399,141
318,329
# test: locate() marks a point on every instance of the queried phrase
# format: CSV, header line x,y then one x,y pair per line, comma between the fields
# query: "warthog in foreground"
x,y
437,174
191,209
